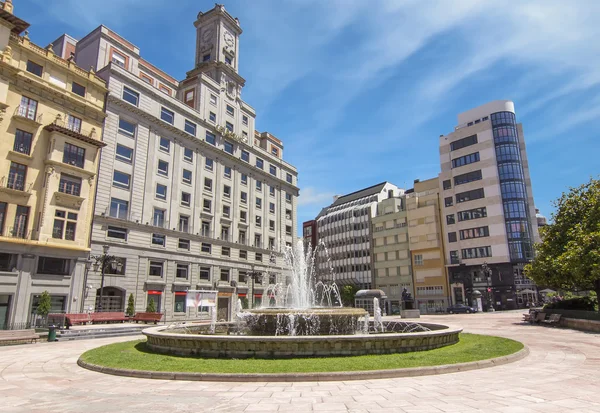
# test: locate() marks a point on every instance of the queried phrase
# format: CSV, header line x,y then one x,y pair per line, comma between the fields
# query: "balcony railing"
x,y
28,113
15,182
18,232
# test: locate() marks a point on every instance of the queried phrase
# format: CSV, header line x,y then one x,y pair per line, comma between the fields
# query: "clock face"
x,y
228,39
207,35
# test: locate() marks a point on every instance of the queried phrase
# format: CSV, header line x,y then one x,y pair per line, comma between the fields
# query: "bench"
x,y
539,317
18,336
146,317
554,319
108,317
81,318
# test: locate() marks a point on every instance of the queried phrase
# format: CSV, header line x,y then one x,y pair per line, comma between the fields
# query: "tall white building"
x,y
488,208
190,196
345,228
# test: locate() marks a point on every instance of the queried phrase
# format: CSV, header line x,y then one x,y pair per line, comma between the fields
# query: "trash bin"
x,y
52,333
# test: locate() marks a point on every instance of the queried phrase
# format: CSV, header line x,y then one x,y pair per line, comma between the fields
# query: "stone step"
x,y
99,334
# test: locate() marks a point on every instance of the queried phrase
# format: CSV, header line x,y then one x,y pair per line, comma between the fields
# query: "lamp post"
x,y
254,277
487,271
102,262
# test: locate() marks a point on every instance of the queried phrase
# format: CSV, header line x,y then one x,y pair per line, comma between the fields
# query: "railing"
x,y
27,112
70,188
22,147
15,182
18,232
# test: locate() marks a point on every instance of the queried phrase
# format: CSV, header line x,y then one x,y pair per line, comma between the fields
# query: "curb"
x,y
297,377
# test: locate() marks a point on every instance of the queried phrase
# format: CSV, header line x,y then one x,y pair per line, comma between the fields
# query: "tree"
x,y
347,295
45,304
130,306
151,307
569,255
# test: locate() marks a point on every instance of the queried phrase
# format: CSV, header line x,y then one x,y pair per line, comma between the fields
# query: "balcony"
x,y
28,115
66,199
74,130
17,232
14,184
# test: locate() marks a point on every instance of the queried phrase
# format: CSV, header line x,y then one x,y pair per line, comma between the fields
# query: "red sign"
x,y
258,295
154,292
241,294
180,293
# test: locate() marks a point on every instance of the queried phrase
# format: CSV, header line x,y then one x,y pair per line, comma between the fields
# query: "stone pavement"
x,y
562,373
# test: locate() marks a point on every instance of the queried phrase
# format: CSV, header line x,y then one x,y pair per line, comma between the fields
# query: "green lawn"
x,y
134,355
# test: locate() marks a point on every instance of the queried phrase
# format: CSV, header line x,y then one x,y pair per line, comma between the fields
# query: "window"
x,y
34,68
468,177
224,274
243,215
188,155
74,155
51,265
243,254
227,171
228,60
156,268
59,230
258,256
180,297
74,123
245,119
450,219
288,230
69,185
116,232
454,257
213,100
118,59
258,203
158,219
273,170
186,199
184,223
452,237
78,89
288,197
243,197
465,160
22,142
259,186
288,178
206,247
259,163
190,127
121,179
472,214
463,143
164,89
226,191
271,207
271,190
226,211
206,57
205,273
228,146
469,195
163,168
207,206
183,244
274,151
477,252
210,138
230,110
147,79
187,176
229,126
258,221
164,145
212,117
182,271
447,184
208,184
245,156
478,232
244,179
225,251
28,108
448,201
161,191
119,208
167,115
272,247
124,154
127,128
16,176
159,239
208,164
131,96
257,241
418,259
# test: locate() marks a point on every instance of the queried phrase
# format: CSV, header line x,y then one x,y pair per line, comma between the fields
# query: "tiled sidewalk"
x,y
562,373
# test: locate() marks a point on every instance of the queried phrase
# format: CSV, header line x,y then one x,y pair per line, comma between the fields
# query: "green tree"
x,y
347,295
45,304
130,306
569,255
151,307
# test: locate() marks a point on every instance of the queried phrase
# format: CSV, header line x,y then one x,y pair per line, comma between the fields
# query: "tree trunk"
x,y
597,289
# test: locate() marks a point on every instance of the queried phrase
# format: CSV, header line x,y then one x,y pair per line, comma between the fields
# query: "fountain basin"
x,y
190,341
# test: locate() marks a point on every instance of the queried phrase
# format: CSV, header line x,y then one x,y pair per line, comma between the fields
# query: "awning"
x,y
154,292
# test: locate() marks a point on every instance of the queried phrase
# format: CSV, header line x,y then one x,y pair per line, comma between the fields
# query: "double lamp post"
x,y
487,272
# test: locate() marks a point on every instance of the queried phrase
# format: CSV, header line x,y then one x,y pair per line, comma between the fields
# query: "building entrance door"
x,y
223,308
4,310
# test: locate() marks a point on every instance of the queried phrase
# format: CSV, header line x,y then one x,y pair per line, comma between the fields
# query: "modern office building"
x,y
390,251
51,119
426,243
488,209
190,196
345,228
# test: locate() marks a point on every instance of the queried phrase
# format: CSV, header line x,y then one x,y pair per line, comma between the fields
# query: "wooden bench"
x,y
18,336
81,318
107,317
146,317
554,319
529,317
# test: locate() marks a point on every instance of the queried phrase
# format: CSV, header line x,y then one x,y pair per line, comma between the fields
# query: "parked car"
x,y
461,308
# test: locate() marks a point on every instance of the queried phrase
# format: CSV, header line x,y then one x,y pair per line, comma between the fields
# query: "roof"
x,y
19,25
362,193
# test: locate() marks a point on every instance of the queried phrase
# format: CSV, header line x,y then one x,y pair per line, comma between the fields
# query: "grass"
x,y
134,355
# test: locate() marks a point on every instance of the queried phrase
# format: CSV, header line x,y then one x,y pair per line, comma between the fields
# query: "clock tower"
x,y
217,38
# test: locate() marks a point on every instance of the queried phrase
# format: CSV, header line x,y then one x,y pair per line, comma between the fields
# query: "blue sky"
x,y
359,91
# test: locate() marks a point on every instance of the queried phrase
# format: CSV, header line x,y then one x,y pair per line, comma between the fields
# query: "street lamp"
x,y
102,262
487,271
253,275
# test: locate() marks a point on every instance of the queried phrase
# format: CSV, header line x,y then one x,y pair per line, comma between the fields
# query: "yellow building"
x,y
427,247
51,121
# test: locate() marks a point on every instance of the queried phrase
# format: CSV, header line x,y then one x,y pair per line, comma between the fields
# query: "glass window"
x,y
163,168
273,170
121,179
78,89
167,115
119,208
230,110
447,184
22,142
245,156
16,176
259,163
468,177
34,68
243,197
245,120
205,247
159,239
164,145
51,265
244,179
180,298
465,160
28,108
288,197
131,96
206,57
161,191
190,127
463,143
271,190
207,207
229,126
205,273
208,184
118,59
186,199
227,172
271,207
452,237
288,178
126,128
74,123
156,268
258,203
116,232
212,116
210,138
188,155
159,217
124,153
450,219
226,191
213,99
69,185
208,164
184,223
74,155
187,176
182,271
228,146
259,186
226,211
271,225
183,244
469,195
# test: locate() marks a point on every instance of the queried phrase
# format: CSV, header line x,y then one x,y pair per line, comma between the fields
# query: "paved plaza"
x,y
562,373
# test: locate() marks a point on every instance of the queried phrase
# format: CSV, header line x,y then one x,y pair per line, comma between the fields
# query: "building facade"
x,y
190,196
345,229
488,210
51,126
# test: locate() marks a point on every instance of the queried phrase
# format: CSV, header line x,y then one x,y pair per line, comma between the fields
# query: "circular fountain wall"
x,y
195,340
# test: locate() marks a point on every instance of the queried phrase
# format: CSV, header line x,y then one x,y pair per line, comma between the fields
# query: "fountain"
x,y
306,320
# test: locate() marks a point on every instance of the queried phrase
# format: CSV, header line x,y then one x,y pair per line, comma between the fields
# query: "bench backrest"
x,y
17,333
149,316
540,317
108,315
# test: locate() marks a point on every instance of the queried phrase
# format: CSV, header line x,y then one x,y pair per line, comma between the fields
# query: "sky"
x,y
359,91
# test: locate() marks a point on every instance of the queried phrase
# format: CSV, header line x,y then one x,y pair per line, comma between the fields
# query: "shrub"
x,y
575,303
130,306
151,308
45,304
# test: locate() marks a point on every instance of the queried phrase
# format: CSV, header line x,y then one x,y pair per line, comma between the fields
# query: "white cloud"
x,y
312,196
